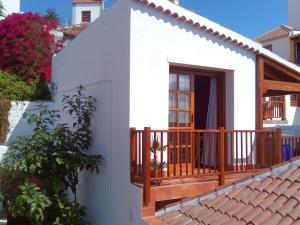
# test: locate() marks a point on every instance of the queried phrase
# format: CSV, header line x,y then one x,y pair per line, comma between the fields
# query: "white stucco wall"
x,y
281,47
11,6
95,9
99,59
158,40
17,124
294,16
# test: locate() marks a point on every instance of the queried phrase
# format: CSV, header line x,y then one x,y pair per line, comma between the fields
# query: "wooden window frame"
x,y
86,18
178,92
295,100
269,47
296,42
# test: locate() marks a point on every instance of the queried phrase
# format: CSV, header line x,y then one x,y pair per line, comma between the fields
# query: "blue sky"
x,y
248,17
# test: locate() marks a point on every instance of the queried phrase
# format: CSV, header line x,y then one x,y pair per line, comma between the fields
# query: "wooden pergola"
x,y
273,79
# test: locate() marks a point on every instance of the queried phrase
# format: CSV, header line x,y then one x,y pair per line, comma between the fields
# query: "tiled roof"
x,y
271,198
86,1
279,32
74,30
198,22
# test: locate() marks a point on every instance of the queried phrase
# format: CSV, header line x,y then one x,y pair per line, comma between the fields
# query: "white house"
x,y
86,11
11,6
284,40
152,63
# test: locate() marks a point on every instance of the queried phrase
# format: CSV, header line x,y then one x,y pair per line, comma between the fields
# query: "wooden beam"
x,y
280,86
282,68
259,91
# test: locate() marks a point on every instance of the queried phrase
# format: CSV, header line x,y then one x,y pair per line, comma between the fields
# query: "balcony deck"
x,y
176,164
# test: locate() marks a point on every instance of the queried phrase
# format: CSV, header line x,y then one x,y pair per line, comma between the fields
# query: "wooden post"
x,y
279,145
146,165
222,156
133,154
283,109
259,108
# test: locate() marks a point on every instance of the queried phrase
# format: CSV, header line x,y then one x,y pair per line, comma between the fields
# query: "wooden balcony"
x,y
160,157
274,108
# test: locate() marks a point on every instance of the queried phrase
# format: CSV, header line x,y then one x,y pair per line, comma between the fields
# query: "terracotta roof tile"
x,y
193,222
295,213
277,33
286,221
274,200
224,218
252,214
243,212
202,216
288,173
276,183
268,201
292,189
294,176
297,222
251,196
259,218
288,206
282,187
274,219
236,209
296,195
278,203
259,198
74,30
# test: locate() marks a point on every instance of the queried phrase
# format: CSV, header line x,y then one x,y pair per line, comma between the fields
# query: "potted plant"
x,y
157,165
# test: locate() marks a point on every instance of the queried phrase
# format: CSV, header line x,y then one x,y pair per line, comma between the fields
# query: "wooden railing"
x,y
290,147
274,108
159,155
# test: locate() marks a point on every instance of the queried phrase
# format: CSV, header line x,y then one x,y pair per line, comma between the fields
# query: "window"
x,y
295,100
269,47
85,16
297,53
180,101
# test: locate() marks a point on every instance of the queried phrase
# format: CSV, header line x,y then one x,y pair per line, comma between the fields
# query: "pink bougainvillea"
x,y
27,46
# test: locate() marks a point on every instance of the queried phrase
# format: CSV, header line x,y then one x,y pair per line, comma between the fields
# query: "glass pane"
x,y
184,82
173,101
173,82
185,101
185,119
172,119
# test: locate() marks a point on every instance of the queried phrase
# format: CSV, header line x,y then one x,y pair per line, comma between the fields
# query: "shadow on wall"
x,y
17,124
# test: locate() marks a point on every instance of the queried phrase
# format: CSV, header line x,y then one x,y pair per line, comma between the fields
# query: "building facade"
x,y
86,11
11,6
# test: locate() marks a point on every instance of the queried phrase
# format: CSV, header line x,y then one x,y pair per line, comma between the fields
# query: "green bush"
x,y
38,170
14,89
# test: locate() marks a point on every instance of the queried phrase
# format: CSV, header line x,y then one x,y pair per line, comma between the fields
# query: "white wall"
x,y
99,59
294,16
95,9
11,6
281,47
18,126
158,40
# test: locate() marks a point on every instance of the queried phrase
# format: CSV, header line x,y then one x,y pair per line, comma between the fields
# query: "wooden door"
x,y
181,119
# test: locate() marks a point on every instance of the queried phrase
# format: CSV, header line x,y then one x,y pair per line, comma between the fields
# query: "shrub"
x,y
14,89
27,47
46,164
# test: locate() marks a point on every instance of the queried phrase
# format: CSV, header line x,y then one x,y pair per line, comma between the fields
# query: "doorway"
x,y
192,106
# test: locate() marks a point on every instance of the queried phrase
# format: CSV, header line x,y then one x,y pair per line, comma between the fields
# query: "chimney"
x,y
175,1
